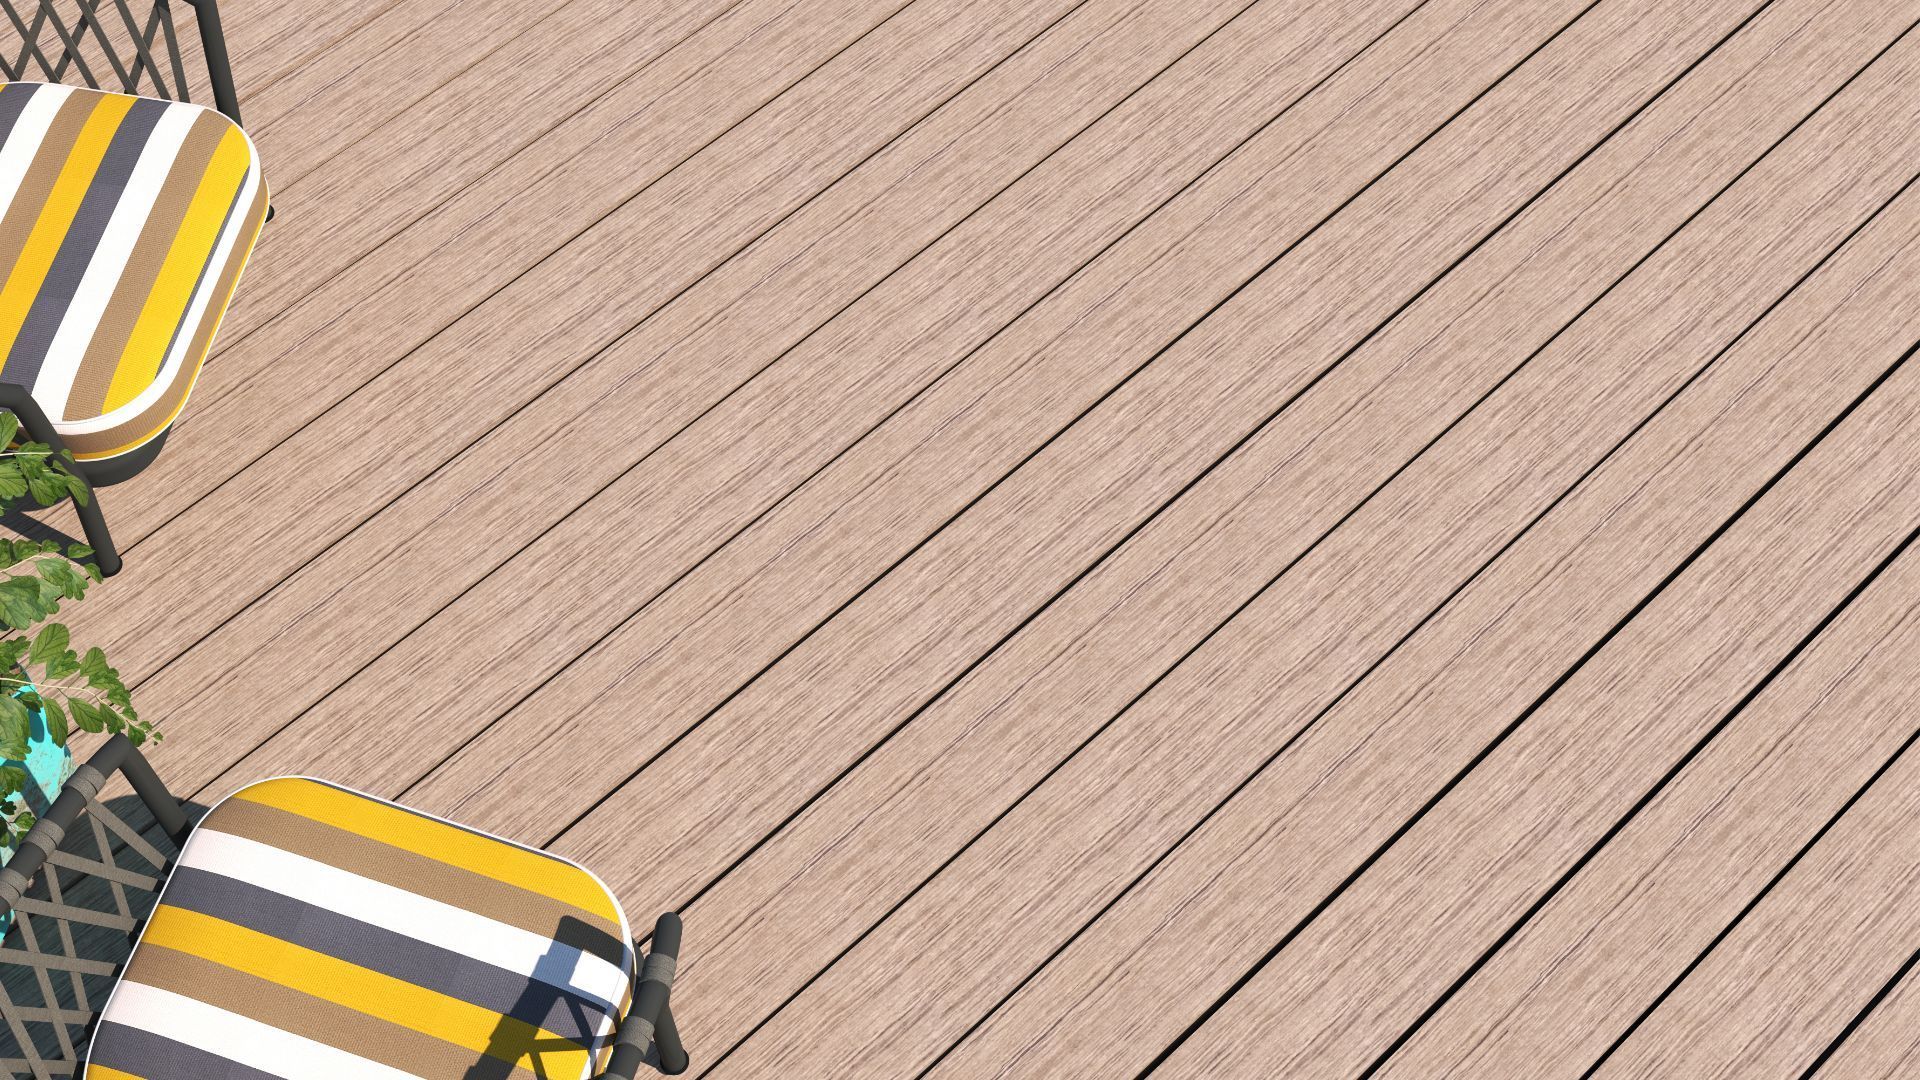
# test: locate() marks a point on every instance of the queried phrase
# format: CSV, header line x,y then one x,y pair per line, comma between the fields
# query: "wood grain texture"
x,y
919,324
1599,743
819,549
496,125
1790,976
1025,708
1131,795
1654,897
1248,536
314,487
398,62
941,185
1886,1045
453,253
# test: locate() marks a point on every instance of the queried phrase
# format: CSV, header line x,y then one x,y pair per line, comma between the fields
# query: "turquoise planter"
x,y
48,767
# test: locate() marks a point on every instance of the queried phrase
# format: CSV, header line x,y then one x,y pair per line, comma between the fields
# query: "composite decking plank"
x,y
1030,704
1791,975
400,60
933,201
326,478
1572,766
453,67
902,323
451,261
493,129
270,41
778,582
1886,1043
1152,776
1035,738
1578,970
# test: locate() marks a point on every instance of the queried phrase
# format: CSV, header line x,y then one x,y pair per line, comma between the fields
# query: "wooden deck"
x,y
1084,537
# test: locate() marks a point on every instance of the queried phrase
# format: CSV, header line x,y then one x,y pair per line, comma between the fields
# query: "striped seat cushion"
x,y
124,225
314,933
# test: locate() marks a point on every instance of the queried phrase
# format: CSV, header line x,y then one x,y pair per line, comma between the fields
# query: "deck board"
x,y
1789,977
1136,614
1569,771
544,324
1087,396
1154,774
1632,920
1884,1043
1073,537
445,267
815,268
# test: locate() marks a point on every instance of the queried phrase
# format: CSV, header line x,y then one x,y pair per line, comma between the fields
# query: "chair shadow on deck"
x,y
27,527
516,1042
73,998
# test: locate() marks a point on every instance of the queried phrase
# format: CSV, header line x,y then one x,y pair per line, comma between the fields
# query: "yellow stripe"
x,y
180,272
101,1072
350,986
497,859
57,214
192,375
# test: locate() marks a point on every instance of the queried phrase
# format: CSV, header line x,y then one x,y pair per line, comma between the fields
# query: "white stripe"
x,y
23,142
239,1038
96,288
419,917
208,285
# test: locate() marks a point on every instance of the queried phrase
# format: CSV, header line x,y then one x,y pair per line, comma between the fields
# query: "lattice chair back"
x,y
126,46
79,889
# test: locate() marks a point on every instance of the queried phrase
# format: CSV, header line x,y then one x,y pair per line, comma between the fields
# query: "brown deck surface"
x,y
1086,537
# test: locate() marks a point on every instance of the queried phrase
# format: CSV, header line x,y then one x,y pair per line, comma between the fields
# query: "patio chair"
x,y
126,216
305,931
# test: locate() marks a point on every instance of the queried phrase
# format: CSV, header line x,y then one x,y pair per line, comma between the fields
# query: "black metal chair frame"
x,y
141,73
158,33
58,896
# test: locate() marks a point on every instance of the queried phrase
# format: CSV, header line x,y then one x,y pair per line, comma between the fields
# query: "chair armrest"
x,y
649,1022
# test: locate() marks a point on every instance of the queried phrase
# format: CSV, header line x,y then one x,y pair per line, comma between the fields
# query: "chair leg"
x,y
666,1039
18,401
649,1021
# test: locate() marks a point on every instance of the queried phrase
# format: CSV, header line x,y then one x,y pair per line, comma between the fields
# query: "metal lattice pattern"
x,y
72,933
97,40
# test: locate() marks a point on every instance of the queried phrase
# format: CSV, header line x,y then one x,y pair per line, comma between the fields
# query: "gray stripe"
x,y
570,1016
12,103
82,240
144,1054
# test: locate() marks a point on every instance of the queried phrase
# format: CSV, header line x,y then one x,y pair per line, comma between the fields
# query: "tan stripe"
x,y
134,431
90,383
426,877
310,1017
38,182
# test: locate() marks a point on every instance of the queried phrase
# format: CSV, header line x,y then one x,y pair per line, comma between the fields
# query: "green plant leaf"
x,y
16,727
90,717
13,484
56,718
47,486
62,666
20,604
9,427
51,642
13,780
94,666
69,582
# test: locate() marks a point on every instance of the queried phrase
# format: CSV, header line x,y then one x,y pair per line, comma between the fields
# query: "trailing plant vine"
x,y
40,669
